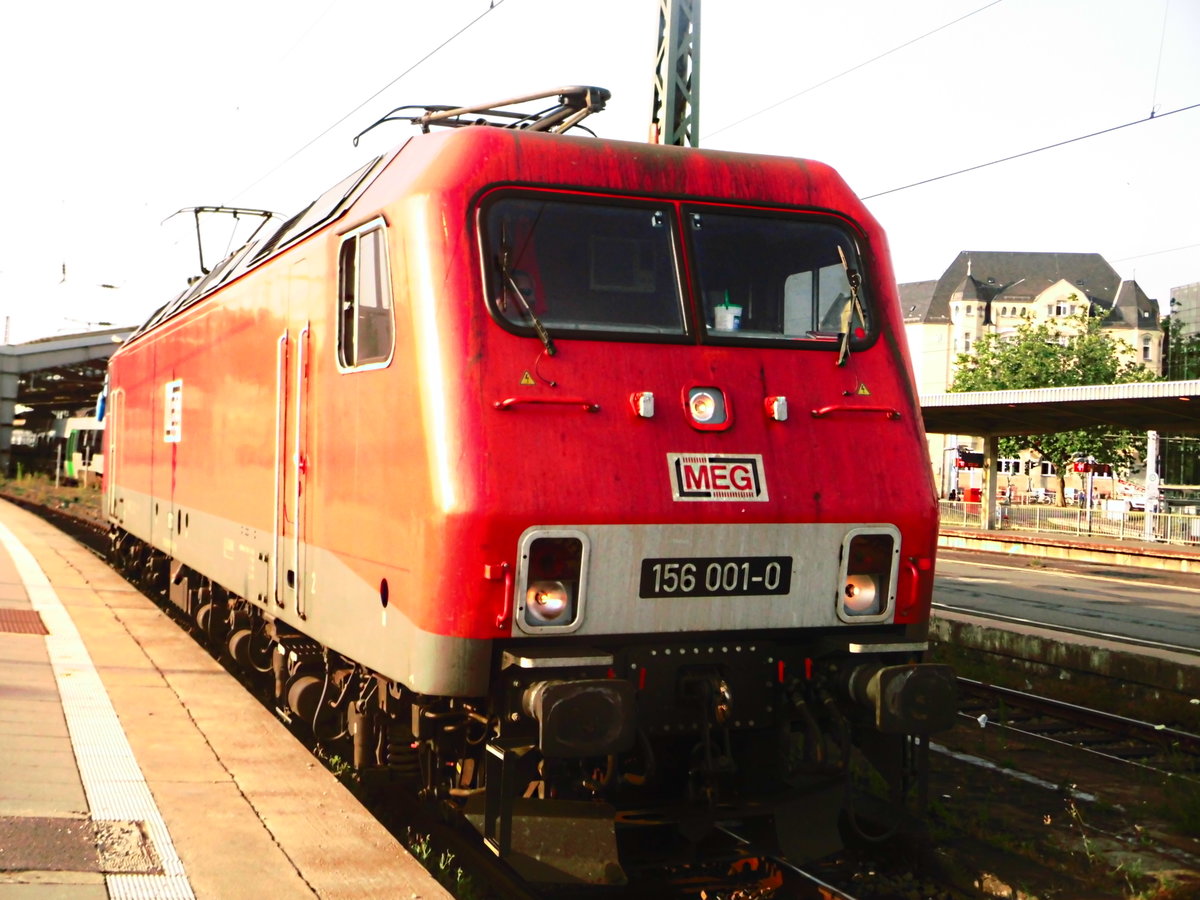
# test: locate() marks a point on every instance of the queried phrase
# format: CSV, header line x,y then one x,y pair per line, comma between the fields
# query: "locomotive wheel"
x,y
304,695
238,646
204,617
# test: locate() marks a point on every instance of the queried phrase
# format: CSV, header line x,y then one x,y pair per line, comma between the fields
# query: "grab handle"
x,y
585,405
888,411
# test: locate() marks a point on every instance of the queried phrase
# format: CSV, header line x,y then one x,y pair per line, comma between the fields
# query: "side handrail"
x,y
888,411
511,402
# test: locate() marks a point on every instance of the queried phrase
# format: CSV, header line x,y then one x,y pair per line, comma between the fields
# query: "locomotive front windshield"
x,y
773,278
582,268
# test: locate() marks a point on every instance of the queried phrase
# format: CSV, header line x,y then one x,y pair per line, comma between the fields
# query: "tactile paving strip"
x,y
22,621
111,777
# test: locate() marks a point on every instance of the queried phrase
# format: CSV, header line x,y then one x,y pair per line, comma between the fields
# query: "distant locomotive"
x,y
548,469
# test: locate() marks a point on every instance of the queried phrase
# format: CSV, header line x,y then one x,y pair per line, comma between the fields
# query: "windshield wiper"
x,y
853,306
504,262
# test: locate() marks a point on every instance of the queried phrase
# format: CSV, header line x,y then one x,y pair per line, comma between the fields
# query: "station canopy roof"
x,y
61,375
1172,407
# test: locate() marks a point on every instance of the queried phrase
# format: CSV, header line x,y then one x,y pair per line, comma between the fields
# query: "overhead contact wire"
x,y
855,68
494,4
1156,252
996,162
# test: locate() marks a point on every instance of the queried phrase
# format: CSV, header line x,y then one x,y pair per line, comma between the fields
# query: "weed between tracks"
x,y
1106,830
440,863
442,866
83,501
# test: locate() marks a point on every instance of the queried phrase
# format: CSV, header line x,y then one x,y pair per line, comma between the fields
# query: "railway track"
x,y
781,876
1107,735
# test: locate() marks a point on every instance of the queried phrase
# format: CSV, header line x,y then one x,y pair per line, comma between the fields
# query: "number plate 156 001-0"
x,y
716,576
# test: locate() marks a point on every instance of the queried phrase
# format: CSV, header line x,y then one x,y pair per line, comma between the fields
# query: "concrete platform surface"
x,y
132,765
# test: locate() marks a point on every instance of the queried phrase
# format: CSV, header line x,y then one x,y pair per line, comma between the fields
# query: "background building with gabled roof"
x,y
984,291
1001,290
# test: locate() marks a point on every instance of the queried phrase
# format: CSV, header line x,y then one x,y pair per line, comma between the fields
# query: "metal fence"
x,y
1130,525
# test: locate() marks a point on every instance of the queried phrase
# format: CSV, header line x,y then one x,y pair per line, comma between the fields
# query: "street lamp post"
x,y
1153,496
1091,479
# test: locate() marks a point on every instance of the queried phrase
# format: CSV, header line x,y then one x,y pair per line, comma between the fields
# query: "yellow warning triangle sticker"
x,y
862,390
527,378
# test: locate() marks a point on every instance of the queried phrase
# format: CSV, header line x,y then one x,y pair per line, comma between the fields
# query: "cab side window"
x,y
366,326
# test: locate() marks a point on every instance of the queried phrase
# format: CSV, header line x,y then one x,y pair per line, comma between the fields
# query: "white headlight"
x,y
546,602
703,406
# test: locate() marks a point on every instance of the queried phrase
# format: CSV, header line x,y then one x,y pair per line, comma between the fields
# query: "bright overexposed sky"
x,y
118,114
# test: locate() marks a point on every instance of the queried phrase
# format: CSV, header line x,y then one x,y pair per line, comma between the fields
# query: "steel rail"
x,y
821,889
1151,733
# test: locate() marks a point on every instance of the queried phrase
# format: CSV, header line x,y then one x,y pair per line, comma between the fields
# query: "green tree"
x,y
1068,352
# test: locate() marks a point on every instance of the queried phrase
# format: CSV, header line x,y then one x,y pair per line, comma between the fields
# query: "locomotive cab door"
x,y
114,422
289,587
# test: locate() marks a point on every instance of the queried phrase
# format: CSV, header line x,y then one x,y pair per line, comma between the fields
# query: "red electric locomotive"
x,y
562,476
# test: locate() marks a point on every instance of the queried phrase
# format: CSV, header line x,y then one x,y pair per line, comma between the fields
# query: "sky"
x,y
118,114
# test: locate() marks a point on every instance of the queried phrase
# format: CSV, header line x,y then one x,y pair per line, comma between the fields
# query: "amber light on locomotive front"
x,y
546,601
862,594
552,566
868,576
